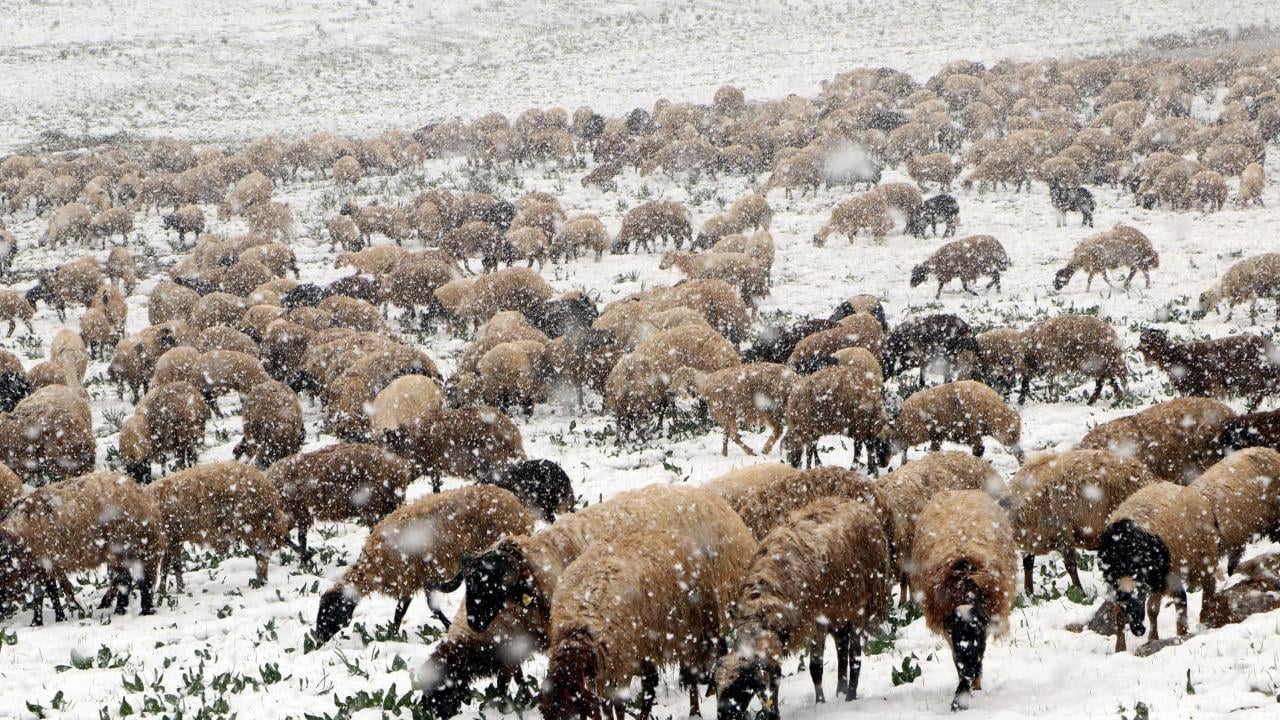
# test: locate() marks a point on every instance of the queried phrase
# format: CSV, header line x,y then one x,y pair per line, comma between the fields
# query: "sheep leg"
x,y
37,605
1153,612
402,607
1180,603
1132,272
261,561
435,609
146,589
995,282
689,678
121,585
1122,627
904,590
1233,560
731,433
1028,569
855,664
1073,570
938,294
1097,390
842,659
13,325
648,688
965,286
816,650
175,564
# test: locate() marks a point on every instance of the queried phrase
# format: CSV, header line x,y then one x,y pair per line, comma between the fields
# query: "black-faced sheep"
x,y
542,485
1073,343
966,260
1252,279
419,548
1118,247
169,421
962,412
825,570
186,219
963,562
218,505
835,401
71,283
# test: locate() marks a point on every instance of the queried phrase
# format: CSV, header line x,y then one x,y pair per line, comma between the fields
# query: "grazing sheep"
x,y
1208,190
170,301
343,233
1061,501
403,401
775,344
966,259
1220,367
419,547
339,482
468,442
934,167
753,395
759,246
67,350
170,420
1252,182
134,359
1176,439
998,361
937,209
835,401
863,303
508,375
217,505
111,221
715,300
826,570
1073,343
690,579
1251,279
859,330
186,219
580,233
71,283
740,270
1245,498
1118,247
15,307
643,224
49,434
867,211
1258,592
78,525
69,223
923,341
1159,540
541,485
961,412
963,562
519,289
272,423
346,171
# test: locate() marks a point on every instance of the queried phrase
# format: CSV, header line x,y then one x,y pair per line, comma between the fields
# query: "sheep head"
x,y
494,577
337,606
1134,562
748,671
967,630
919,274
1062,277
564,693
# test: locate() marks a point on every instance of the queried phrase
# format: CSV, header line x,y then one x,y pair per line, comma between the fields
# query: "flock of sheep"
x,y
724,580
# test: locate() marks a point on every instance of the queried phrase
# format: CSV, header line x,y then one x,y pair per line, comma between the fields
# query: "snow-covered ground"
x,y
238,69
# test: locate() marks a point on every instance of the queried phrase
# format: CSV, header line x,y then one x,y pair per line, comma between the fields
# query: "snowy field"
x,y
239,69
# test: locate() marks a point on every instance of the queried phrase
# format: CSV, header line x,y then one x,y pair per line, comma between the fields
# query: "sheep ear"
x,y
455,582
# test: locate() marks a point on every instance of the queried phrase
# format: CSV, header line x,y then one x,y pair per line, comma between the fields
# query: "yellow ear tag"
x,y
526,600
768,703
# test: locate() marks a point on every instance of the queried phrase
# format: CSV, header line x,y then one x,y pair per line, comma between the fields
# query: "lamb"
x,y
272,423
740,270
1220,367
1252,279
73,282
468,442
15,307
49,434
218,504
580,233
835,400
754,395
1061,501
541,485
419,547
1118,247
860,330
1252,181
963,562
1073,343
922,341
826,570
656,219
1072,199
80,524
966,259
962,412
339,482
934,167
1159,540
865,211
690,579
186,219
170,420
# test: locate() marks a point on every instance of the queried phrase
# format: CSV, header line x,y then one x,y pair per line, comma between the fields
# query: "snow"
x,y
238,69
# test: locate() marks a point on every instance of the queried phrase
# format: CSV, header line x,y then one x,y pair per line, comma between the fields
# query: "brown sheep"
x,y
657,219
78,525
186,219
468,443
1218,367
857,330
864,211
1252,181
71,283
49,434
1208,190
170,420
1251,279
753,395
580,233
998,359
520,289
339,482
1115,248
835,401
966,259
272,423
69,223
963,412
934,167
216,505
1176,439
419,547
1073,343
170,301
14,307
740,270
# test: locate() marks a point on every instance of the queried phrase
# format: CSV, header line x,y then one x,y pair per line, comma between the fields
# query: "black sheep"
x,y
919,341
541,485
938,209
1067,200
304,295
774,345
14,388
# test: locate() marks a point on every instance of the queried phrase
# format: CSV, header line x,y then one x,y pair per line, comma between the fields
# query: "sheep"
x,y
963,562
276,257
402,401
8,247
1072,199
580,233
186,219
520,289
218,504
962,411
15,307
1003,167
922,341
862,303
754,395
998,359
250,190
170,420
272,423
1115,248
351,313
752,210
80,524
221,337
715,300
1176,439
1073,343
468,442
508,375
738,269
529,243
275,219
803,168
966,259
690,579
1252,182
653,220
759,246
1255,429
49,434
111,301
419,547
1208,190
1161,539
1258,592
343,233
346,171
902,198
1219,367
835,400
134,359
860,330
867,211
1241,489
170,301
110,221
1061,501
1252,279
826,570
69,223
934,167
67,350
775,344
339,482
73,282
221,371
541,486
937,209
